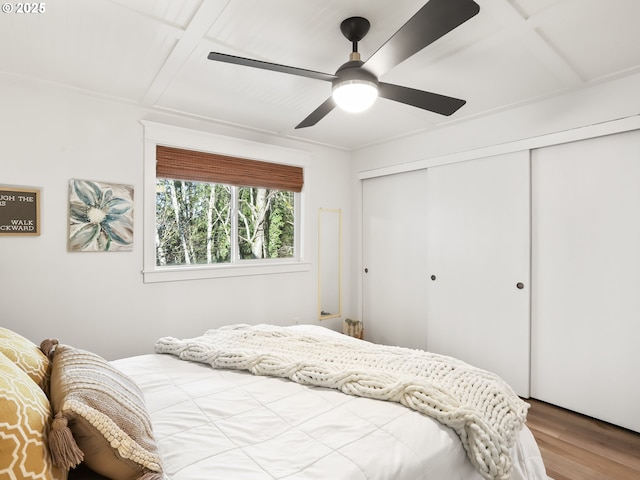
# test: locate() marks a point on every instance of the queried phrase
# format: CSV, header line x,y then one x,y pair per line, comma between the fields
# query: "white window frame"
x,y
169,135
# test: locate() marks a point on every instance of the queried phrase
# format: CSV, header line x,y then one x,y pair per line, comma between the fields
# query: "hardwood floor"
x,y
576,447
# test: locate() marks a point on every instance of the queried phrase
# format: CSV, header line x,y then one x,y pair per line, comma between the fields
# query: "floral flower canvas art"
x,y
100,216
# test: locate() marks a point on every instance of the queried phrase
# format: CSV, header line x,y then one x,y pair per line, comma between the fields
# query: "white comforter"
x,y
478,405
233,425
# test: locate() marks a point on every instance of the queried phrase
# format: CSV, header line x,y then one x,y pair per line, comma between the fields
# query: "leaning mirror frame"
x,y
329,263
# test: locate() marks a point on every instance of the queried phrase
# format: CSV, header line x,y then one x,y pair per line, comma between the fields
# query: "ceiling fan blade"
x,y
318,114
248,62
433,102
435,19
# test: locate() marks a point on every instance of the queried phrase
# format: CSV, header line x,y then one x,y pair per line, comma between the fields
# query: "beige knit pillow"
x,y
25,414
105,411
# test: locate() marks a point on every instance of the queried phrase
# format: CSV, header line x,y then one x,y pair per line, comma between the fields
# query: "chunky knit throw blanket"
x,y
479,406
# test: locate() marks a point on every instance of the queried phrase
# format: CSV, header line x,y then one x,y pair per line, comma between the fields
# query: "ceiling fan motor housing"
x,y
353,71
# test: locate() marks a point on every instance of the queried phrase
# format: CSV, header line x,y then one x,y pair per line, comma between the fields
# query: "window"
x,y
197,223
214,208
212,215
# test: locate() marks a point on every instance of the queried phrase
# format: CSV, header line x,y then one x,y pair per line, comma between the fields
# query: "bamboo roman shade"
x,y
196,166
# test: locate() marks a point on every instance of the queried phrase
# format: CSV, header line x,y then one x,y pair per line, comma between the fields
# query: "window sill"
x,y
200,272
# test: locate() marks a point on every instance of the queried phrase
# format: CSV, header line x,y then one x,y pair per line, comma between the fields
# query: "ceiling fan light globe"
x,y
355,95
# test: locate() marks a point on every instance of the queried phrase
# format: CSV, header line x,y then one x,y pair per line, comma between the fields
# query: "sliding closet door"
x,y
586,277
478,257
394,276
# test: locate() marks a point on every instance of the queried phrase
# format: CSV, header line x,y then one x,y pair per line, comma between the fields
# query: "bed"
x,y
232,415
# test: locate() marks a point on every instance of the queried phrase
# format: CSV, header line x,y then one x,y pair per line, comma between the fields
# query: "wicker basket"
x,y
353,328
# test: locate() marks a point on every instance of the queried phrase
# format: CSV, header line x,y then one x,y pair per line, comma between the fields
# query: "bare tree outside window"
x,y
195,223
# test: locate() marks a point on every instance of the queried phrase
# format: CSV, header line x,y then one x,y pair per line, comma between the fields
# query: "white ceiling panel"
x,y
96,46
154,52
231,93
598,38
490,74
305,34
173,12
531,7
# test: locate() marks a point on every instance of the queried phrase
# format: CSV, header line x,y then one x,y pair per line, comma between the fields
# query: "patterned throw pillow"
x,y
105,411
25,415
26,355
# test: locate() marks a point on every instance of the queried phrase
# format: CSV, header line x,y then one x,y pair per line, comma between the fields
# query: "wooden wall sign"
x,y
19,211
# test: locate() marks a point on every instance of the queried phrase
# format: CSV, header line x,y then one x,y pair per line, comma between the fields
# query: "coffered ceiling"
x,y
154,53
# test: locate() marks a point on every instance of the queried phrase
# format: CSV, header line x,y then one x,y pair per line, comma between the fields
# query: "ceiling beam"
x,y
525,30
203,19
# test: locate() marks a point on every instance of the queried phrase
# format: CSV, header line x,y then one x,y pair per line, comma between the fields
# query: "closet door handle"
x,y
519,285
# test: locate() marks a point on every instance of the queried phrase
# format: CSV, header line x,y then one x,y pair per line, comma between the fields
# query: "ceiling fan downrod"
x,y
355,29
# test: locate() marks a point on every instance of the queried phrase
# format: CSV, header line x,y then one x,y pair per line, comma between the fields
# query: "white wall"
x,y
98,301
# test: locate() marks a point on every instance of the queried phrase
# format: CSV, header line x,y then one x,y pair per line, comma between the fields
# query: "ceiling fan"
x,y
435,19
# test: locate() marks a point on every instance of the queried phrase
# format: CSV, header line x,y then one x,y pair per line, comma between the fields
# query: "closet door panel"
x,y
586,277
394,272
478,252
